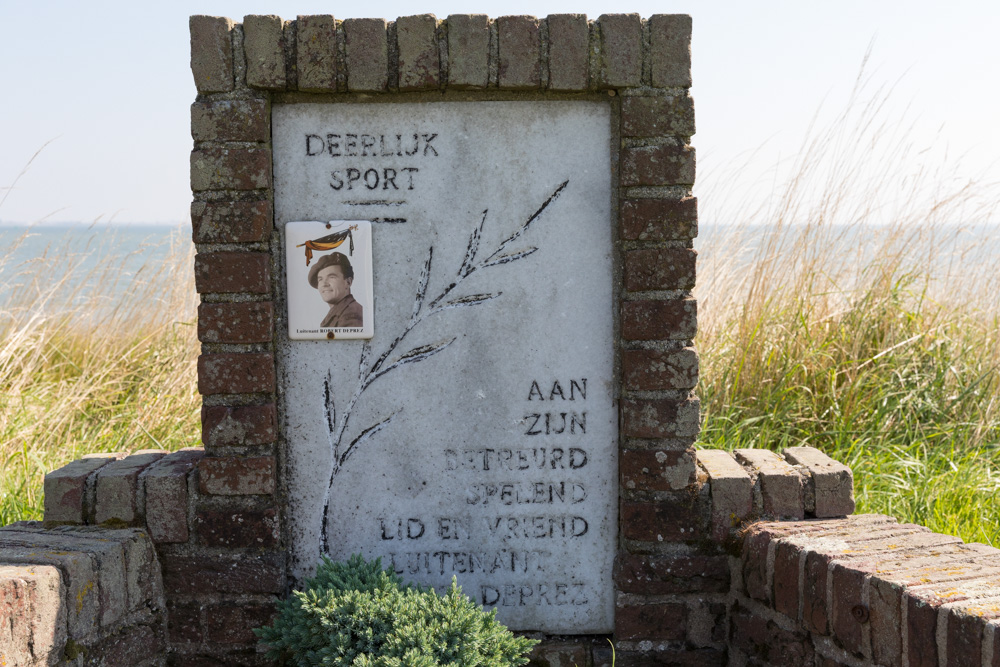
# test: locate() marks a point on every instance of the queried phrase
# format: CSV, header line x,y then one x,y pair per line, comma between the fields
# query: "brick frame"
x,y
641,68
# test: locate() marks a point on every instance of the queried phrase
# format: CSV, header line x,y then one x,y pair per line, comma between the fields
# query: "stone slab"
x,y
492,357
780,485
32,616
66,488
833,482
118,487
732,491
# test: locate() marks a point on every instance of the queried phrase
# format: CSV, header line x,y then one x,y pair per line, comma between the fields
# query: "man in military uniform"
x,y
333,276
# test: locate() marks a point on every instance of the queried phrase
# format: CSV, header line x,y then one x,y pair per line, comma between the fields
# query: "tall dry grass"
x,y
91,360
858,311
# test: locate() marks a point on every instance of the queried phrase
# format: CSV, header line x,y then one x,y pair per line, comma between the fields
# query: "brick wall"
x,y
221,573
863,591
80,596
762,568
640,67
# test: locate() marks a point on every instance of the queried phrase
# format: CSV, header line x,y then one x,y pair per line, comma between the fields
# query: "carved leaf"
x,y
425,276
329,410
414,356
470,252
365,435
470,300
534,216
510,257
366,352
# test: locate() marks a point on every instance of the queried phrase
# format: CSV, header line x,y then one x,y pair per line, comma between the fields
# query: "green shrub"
x,y
356,614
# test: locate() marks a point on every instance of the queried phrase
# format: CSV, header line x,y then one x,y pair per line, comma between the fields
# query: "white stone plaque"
x,y
475,434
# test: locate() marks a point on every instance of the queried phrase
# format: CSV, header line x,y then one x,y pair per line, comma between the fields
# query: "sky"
x,y
97,94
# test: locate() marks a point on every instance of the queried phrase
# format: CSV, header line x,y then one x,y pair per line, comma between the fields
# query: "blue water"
x,y
78,254
125,253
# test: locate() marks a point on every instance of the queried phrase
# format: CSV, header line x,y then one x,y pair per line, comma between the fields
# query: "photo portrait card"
x,y
328,272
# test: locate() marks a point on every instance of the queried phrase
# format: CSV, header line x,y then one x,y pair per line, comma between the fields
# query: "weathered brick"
x,y
995,656
236,476
230,221
316,53
79,570
829,662
66,488
832,481
237,528
233,622
711,624
140,645
367,54
849,529
909,568
649,370
849,613
659,269
230,120
247,426
569,52
144,582
815,615
786,579
33,613
767,643
885,615
559,653
468,50
660,417
921,632
651,621
659,319
965,628
659,219
731,489
221,655
241,322
657,165
235,373
657,470
98,580
654,116
419,59
756,544
780,484
672,520
665,655
670,50
242,573
118,488
672,575
211,53
232,272
167,496
184,625
218,168
621,50
520,46
264,47
143,579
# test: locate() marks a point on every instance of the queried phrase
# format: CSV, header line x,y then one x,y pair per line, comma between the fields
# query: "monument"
x,y
468,244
